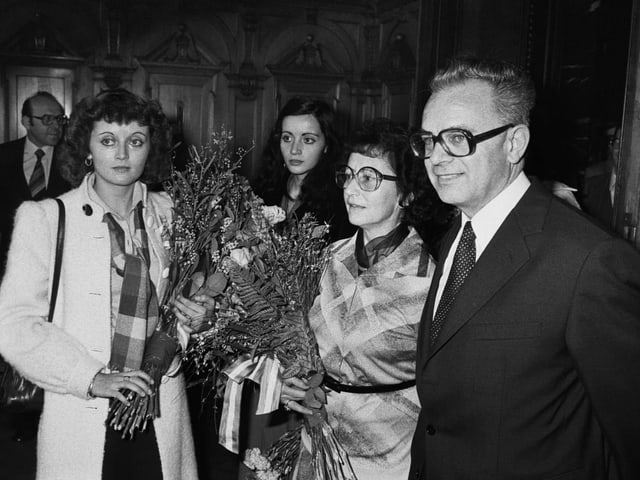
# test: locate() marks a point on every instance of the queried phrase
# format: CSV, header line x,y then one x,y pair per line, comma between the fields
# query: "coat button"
x,y
431,430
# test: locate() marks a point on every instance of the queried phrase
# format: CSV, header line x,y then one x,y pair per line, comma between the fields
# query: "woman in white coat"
x,y
116,143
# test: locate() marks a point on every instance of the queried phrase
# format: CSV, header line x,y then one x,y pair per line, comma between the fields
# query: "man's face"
x,y
40,134
468,182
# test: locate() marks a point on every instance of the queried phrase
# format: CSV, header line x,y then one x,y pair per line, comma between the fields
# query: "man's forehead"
x,y
463,105
46,105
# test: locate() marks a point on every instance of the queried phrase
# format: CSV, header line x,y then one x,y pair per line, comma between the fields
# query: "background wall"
x,y
213,64
234,63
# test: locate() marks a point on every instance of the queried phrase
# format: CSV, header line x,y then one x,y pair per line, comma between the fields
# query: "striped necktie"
x,y
463,261
37,182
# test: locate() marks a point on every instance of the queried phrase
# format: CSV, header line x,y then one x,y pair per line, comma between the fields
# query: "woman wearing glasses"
x,y
371,298
299,164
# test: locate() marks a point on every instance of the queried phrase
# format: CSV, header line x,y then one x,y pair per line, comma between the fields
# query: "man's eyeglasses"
x,y
49,119
368,178
457,142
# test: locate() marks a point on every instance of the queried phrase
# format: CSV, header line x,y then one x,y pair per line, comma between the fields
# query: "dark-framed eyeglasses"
x,y
368,178
47,119
457,142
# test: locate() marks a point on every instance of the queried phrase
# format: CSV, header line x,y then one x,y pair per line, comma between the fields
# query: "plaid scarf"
x,y
138,308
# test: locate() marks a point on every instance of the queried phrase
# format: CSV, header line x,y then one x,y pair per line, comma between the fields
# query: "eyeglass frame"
x,y
61,119
472,140
379,177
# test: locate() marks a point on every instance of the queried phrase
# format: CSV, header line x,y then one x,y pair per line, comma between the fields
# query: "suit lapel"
x,y
506,253
16,171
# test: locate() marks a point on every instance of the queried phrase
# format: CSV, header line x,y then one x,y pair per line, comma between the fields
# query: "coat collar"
x,y
157,210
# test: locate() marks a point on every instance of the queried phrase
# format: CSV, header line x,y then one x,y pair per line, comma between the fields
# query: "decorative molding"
x,y
247,82
36,43
307,68
113,73
308,57
179,49
179,54
398,64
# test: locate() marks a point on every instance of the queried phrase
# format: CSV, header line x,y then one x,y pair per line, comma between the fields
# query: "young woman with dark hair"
x,y
299,164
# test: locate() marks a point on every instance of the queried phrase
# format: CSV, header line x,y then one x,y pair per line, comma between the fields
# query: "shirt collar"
x,y
139,195
30,148
488,219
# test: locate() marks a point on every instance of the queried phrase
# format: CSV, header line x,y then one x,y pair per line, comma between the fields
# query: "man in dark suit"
x,y
529,346
28,165
29,171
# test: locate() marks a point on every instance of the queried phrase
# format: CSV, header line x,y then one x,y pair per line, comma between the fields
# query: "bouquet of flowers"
x,y
262,333
266,279
208,199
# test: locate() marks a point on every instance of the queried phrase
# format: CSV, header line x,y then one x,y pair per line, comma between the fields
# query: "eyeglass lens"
x,y
454,142
50,119
368,178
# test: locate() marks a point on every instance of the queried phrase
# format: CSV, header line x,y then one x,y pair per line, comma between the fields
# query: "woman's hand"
x,y
293,392
194,314
108,385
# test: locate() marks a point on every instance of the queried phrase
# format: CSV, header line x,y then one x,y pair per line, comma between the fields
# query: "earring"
x,y
89,160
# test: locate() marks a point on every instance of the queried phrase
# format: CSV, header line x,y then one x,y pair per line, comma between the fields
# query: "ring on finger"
x,y
286,405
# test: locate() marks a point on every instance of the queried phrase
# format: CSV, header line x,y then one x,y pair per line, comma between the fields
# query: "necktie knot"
x,y
39,154
468,242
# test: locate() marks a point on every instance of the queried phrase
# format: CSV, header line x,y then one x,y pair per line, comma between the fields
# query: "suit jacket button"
x,y
431,430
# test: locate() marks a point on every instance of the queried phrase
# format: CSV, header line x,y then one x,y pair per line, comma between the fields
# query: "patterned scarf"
x,y
378,248
138,299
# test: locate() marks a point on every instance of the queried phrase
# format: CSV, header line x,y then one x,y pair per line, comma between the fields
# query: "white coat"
x,y
63,356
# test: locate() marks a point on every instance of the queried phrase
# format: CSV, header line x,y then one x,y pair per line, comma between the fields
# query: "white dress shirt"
x,y
485,224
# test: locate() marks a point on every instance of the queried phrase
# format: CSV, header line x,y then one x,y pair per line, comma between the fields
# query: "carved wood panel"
x,y
188,103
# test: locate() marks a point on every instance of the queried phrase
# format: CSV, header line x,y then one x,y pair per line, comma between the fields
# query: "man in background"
x,y
28,171
529,345
28,165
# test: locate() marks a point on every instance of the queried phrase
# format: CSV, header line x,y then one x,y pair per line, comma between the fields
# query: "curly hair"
x,y
422,208
122,107
318,192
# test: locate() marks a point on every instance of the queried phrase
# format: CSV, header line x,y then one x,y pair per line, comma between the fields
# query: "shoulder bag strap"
x,y
58,260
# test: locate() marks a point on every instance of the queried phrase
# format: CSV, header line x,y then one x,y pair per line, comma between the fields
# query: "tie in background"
x,y
463,261
37,182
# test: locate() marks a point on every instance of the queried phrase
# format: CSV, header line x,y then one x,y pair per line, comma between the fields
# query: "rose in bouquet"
x,y
208,199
